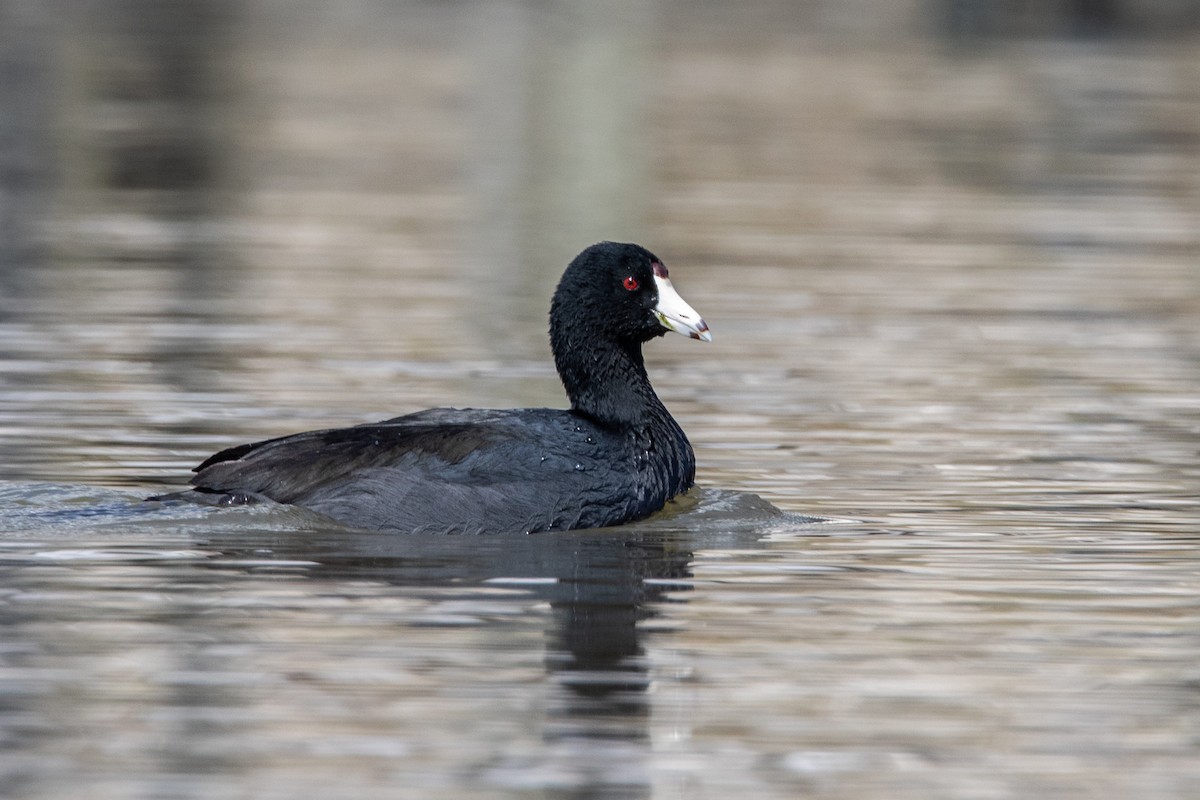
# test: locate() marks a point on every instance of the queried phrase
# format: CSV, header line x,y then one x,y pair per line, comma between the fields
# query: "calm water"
x,y
945,540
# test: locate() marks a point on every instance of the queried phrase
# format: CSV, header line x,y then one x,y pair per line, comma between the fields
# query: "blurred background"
x,y
950,254
236,217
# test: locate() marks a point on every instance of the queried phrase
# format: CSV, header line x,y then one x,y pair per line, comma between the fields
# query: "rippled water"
x,y
945,543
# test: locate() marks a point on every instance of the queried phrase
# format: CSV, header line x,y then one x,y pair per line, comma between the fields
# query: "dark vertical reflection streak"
x,y
600,585
26,105
559,143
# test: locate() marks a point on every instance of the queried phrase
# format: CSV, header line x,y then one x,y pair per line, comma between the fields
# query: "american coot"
x,y
617,455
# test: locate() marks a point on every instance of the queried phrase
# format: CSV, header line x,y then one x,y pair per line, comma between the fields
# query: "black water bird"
x,y
615,456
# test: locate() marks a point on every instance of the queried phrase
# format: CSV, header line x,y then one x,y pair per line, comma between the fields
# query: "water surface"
x,y
944,543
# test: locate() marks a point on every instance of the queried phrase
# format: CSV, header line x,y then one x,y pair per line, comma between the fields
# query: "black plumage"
x,y
616,455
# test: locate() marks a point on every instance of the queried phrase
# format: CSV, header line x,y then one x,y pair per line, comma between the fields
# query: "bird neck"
x,y
607,381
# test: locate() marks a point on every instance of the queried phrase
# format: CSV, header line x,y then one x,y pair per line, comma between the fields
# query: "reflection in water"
x,y
166,169
204,672
558,151
26,110
600,587
598,720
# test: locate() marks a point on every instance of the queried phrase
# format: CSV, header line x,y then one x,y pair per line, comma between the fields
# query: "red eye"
x,y
630,283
